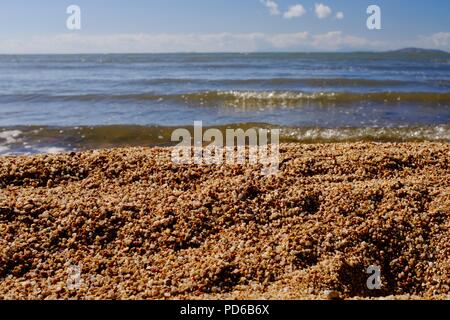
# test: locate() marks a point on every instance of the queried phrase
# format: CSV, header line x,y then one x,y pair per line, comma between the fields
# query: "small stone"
x,y
332,295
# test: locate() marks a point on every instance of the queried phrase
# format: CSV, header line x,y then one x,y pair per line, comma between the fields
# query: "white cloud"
x,y
288,40
272,6
295,12
336,40
340,15
441,39
322,11
160,43
212,42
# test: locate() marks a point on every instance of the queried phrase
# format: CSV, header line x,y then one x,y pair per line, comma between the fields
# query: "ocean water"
x,y
54,103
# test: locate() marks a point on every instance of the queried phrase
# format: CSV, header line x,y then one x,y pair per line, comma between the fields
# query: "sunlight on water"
x,y
313,97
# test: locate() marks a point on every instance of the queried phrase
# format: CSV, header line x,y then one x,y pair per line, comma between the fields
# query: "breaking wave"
x,y
248,98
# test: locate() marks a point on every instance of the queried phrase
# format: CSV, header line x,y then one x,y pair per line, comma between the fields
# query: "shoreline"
x,y
140,227
35,140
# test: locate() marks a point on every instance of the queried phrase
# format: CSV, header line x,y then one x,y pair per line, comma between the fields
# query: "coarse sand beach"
x,y
138,226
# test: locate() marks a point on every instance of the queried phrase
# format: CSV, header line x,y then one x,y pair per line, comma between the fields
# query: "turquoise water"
x,y
50,102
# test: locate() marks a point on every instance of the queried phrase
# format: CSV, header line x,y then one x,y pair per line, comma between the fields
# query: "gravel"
x,y
130,224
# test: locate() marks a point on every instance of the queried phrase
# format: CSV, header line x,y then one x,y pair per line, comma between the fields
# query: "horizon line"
x,y
400,50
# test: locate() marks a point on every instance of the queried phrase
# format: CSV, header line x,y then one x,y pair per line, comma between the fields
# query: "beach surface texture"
x,y
130,224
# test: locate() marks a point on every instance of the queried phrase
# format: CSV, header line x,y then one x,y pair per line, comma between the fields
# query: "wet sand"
x,y
140,227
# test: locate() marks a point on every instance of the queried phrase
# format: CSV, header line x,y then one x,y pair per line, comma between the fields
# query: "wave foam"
x,y
10,136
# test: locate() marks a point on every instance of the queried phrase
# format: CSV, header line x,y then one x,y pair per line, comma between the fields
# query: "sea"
x,y
62,103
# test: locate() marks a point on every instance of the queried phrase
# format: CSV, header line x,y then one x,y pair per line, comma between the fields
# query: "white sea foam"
x,y
10,136
50,150
437,133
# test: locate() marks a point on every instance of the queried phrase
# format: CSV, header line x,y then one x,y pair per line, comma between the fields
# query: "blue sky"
x,y
221,25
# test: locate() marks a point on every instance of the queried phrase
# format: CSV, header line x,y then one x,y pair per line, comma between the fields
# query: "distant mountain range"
x,y
419,50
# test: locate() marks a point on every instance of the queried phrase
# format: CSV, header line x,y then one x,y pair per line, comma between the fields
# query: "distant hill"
x,y
419,50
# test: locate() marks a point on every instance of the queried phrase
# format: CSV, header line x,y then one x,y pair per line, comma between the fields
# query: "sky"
x,y
128,26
